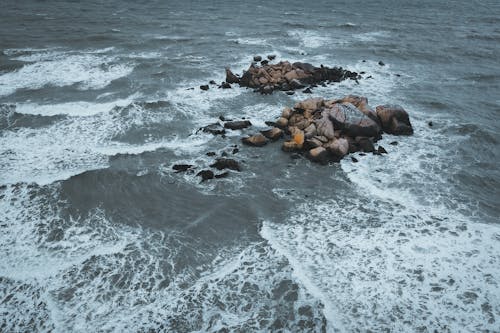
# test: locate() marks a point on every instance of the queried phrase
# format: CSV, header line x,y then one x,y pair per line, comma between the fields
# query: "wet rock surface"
x,y
286,76
328,130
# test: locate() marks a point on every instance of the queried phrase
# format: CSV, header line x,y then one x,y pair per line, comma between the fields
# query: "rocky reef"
x,y
328,130
285,76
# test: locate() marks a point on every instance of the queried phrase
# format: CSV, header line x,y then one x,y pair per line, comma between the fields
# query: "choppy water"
x,y
97,234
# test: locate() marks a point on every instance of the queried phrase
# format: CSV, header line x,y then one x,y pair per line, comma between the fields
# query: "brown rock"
x,y
297,135
310,104
394,120
319,155
291,75
286,113
312,143
230,77
291,146
339,147
273,134
282,122
310,131
257,140
324,126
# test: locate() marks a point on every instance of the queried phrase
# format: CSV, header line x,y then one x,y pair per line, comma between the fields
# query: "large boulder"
x,y
338,148
352,121
257,140
394,120
324,126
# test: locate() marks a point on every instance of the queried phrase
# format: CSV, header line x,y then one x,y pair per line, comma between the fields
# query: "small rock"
x,y
381,150
296,84
365,144
286,113
394,143
225,85
205,175
271,57
235,151
257,140
270,123
222,175
319,155
237,125
222,118
264,62
430,123
282,122
307,91
290,93
204,87
226,163
381,63
339,147
354,159
212,82
291,146
210,153
267,90
181,167
273,134
257,58
215,129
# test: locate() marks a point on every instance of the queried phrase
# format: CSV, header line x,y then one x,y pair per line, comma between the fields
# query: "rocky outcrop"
x,y
286,76
328,130
394,120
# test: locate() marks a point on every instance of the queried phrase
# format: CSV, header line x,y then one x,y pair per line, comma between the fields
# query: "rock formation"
x,y
286,76
328,130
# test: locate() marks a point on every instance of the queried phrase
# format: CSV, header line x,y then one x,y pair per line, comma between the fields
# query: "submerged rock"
x,y
226,163
215,129
181,167
205,175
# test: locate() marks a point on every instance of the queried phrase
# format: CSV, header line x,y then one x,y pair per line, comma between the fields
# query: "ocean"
x,y
99,234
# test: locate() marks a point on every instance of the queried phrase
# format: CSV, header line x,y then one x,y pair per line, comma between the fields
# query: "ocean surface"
x,y
98,234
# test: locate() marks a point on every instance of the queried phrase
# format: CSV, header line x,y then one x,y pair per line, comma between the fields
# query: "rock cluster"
x,y
328,130
286,76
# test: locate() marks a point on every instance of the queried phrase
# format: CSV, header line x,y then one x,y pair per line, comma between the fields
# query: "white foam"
x,y
88,71
76,144
371,36
250,41
309,38
72,108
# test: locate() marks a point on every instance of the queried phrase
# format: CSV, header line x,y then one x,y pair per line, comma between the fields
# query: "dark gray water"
x,y
97,234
